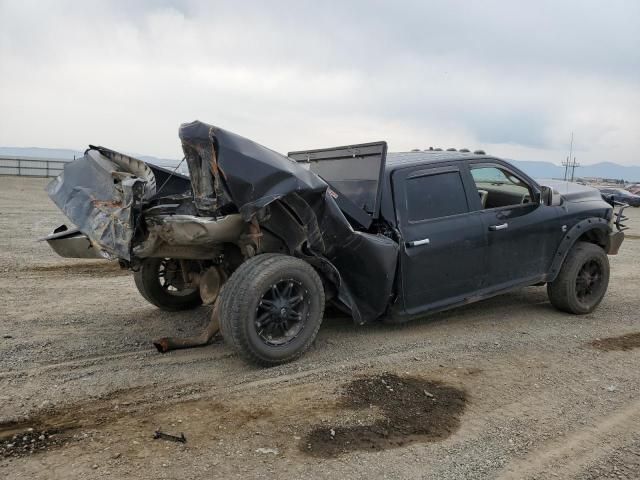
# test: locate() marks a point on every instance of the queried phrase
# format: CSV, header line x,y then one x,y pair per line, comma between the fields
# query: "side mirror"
x,y
550,197
546,195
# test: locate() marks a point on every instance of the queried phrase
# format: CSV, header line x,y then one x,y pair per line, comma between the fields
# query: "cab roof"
x,y
397,160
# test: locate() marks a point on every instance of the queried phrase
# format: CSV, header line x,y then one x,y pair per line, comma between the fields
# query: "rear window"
x,y
434,196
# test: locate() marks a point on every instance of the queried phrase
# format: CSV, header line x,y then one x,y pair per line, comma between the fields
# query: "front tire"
x,y
582,281
272,308
159,281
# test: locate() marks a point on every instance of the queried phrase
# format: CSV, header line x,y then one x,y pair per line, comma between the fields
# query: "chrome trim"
x,y
502,226
417,243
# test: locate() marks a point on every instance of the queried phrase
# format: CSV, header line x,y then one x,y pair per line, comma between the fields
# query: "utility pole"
x,y
574,164
570,163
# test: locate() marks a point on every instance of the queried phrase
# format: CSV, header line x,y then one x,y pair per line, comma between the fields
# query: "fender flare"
x,y
571,237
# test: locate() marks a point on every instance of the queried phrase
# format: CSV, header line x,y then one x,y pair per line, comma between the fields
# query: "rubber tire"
x,y
240,296
148,284
562,291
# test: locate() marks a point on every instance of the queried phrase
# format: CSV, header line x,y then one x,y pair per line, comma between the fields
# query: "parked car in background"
x,y
634,188
621,195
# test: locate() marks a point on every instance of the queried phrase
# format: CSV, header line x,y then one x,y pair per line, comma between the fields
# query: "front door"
x,y
521,232
442,257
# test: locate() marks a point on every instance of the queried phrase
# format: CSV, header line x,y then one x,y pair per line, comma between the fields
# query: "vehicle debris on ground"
x,y
160,435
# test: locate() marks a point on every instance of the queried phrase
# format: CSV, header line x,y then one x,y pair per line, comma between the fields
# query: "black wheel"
x,y
272,308
160,282
582,281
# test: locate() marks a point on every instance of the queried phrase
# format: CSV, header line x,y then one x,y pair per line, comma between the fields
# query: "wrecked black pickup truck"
x,y
270,239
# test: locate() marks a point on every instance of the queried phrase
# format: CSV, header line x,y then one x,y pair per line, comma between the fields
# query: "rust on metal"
x,y
107,203
167,344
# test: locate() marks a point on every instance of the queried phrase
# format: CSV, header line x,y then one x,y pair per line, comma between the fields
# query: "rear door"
x,y
442,257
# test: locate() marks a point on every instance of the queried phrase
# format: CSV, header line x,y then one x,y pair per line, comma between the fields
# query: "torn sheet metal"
x,y
168,233
367,266
365,263
227,167
98,195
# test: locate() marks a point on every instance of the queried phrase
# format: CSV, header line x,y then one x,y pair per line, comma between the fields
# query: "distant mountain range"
x,y
607,170
532,168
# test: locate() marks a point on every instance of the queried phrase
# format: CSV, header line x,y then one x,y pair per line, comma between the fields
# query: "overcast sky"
x,y
511,77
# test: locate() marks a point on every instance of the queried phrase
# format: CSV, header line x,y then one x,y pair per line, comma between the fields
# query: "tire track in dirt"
x,y
104,360
572,453
222,376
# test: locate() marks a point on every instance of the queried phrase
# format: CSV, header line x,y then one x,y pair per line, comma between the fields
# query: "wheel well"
x,y
590,230
595,236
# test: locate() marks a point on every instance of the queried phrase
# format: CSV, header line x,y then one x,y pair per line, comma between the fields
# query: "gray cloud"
x,y
513,78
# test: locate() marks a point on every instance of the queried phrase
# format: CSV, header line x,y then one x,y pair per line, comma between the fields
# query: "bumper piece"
x,y
71,243
615,240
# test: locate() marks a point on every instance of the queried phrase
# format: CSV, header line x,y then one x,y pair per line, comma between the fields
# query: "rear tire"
x,y
272,308
151,280
582,281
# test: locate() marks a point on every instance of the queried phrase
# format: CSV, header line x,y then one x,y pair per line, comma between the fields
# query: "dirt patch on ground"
x,y
81,268
413,410
623,342
371,413
58,427
30,441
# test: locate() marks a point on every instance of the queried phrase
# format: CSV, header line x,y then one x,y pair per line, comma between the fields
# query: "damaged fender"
x,y
230,168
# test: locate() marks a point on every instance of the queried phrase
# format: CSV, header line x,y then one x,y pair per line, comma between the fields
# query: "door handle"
x,y
417,243
502,226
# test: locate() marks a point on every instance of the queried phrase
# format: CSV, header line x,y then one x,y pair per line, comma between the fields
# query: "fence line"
x,y
48,167
31,167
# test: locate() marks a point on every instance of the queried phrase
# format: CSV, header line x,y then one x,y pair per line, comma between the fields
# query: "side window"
x,y
499,188
436,195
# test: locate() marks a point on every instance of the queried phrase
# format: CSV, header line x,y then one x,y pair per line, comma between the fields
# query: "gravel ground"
x,y
533,396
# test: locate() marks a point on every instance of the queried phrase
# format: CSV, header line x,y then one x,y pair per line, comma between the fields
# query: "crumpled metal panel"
x,y
188,231
130,165
98,196
239,170
366,263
